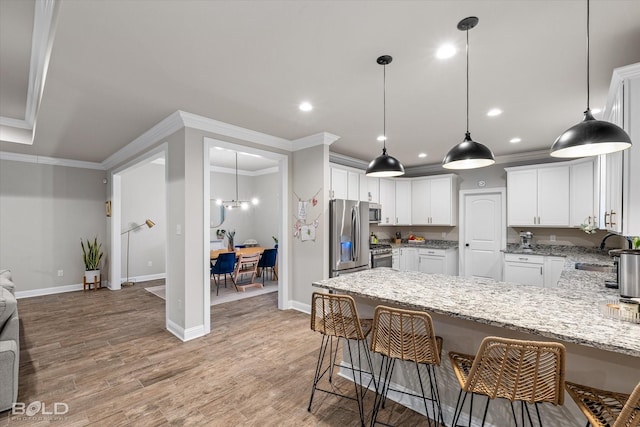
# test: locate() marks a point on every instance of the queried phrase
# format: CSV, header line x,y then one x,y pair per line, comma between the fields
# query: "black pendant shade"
x,y
469,154
590,137
384,165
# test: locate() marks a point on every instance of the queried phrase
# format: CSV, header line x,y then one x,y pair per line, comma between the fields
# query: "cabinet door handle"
x,y
523,259
541,271
611,218
605,218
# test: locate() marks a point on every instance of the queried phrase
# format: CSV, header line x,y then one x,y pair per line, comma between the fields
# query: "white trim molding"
x,y
322,138
49,291
185,334
44,20
43,160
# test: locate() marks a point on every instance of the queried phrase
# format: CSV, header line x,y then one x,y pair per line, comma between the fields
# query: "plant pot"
x,y
91,275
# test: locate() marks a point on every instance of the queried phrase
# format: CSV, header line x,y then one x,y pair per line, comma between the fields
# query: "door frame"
x,y
502,191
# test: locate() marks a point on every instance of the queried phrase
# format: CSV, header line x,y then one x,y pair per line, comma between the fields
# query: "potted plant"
x,y
92,255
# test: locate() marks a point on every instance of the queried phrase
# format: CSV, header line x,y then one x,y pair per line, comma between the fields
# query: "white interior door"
x,y
483,235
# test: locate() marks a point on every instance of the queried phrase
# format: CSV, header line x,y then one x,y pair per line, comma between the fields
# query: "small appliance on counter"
x,y
629,273
613,284
398,237
525,240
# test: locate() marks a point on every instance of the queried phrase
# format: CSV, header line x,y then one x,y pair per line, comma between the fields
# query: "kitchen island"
x,y
601,352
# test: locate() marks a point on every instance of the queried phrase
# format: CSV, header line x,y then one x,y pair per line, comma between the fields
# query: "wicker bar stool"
x,y
525,371
606,408
409,336
335,317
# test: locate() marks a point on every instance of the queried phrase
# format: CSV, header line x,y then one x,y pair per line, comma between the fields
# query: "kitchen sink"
x,y
604,268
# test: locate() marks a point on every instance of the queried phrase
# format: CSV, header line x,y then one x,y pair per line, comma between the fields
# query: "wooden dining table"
x,y
239,251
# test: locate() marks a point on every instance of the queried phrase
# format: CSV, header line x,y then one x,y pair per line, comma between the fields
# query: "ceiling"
x,y
118,68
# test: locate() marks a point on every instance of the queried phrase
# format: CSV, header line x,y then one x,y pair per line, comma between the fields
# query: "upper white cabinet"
x,y
538,195
339,183
434,200
403,202
620,192
583,193
348,183
369,189
388,201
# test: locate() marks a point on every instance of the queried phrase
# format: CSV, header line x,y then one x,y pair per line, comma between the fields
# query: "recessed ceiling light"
x,y
494,112
382,138
515,140
446,51
422,155
305,106
596,110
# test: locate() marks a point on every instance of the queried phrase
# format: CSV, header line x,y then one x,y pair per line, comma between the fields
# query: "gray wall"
x,y
44,212
144,197
311,258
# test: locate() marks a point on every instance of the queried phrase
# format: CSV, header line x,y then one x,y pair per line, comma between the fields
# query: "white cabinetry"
x,y
438,261
533,269
353,185
403,202
408,259
538,195
583,193
395,258
388,201
524,269
339,183
434,200
369,189
621,174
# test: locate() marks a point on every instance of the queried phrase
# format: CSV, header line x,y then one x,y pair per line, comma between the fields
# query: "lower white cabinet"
x,y
435,261
408,259
533,269
395,259
438,261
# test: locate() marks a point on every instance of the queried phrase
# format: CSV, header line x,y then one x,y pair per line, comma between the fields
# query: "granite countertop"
x,y
568,312
585,254
428,244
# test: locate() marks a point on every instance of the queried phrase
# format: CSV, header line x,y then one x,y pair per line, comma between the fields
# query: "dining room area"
x,y
244,224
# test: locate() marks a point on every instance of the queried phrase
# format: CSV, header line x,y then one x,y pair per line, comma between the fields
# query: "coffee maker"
x,y
525,240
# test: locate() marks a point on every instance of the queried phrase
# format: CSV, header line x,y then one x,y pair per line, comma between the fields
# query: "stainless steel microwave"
x,y
375,213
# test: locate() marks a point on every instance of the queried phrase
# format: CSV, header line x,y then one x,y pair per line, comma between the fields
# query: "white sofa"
x,y
9,342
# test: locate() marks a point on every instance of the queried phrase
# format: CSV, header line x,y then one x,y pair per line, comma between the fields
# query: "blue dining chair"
x,y
268,260
225,264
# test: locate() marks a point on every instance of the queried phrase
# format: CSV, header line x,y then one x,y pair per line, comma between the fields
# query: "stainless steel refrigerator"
x,y
348,236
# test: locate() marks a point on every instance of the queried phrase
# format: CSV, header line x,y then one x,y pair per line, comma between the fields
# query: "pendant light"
x,y
469,154
590,137
384,165
237,203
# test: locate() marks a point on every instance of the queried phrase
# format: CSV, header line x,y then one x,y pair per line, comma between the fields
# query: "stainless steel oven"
x,y
381,255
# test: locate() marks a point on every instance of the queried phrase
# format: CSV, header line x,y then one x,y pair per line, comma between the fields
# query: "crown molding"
x,y
322,138
344,160
206,124
43,160
163,129
44,19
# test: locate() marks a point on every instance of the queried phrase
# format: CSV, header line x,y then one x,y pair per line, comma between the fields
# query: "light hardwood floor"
x,y
107,355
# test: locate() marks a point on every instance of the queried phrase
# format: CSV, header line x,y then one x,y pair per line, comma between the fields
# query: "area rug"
x,y
227,294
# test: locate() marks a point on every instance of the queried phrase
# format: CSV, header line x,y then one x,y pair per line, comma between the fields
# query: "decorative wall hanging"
x,y
302,229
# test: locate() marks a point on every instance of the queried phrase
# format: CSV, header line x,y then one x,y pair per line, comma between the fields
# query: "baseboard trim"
x,y
295,305
144,278
185,334
48,291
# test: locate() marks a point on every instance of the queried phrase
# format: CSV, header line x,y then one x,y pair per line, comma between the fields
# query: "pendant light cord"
x,y
588,62
237,197
467,51
384,106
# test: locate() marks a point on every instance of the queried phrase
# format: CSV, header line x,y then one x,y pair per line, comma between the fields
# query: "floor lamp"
x,y
149,224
